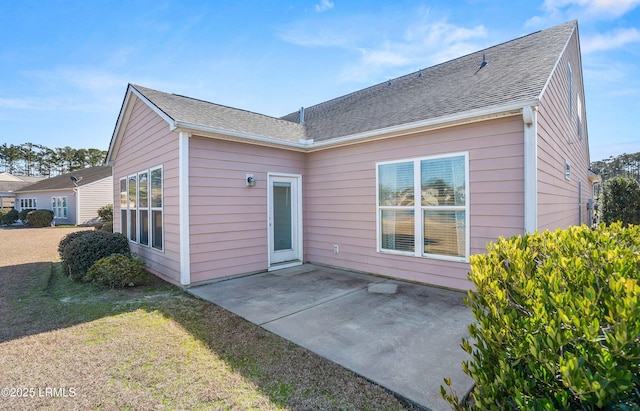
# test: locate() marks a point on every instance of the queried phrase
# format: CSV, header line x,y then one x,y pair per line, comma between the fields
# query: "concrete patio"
x,y
403,336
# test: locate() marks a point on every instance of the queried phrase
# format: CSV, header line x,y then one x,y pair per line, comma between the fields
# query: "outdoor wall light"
x,y
250,180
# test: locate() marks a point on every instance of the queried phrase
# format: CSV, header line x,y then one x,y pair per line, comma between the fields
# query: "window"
x,y
141,213
570,90
422,207
59,207
28,203
579,115
567,170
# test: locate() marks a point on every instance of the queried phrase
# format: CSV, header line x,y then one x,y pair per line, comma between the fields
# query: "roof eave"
x,y
239,136
466,117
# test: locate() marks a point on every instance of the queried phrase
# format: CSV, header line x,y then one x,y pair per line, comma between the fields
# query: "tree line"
x,y
624,165
37,160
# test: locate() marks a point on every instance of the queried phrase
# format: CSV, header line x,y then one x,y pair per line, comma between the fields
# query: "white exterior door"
x,y
285,220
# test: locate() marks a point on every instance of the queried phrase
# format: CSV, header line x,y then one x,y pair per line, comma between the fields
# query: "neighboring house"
x,y
9,184
406,179
74,197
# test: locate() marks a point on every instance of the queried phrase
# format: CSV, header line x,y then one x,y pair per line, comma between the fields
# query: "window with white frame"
x,y
59,207
28,203
579,115
570,90
141,208
423,206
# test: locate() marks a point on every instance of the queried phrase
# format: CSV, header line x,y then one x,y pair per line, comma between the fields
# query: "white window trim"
x,y
152,209
55,209
567,170
418,210
149,208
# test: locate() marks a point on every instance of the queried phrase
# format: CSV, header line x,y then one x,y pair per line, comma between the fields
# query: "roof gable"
x,y
83,177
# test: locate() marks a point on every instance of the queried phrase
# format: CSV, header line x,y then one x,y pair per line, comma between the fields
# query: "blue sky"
x,y
65,65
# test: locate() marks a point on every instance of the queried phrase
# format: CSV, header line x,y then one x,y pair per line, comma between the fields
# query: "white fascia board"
x,y
484,113
438,122
162,114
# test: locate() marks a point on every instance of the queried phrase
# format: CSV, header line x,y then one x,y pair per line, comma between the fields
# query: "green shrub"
x,y
62,245
81,252
23,214
557,321
9,216
106,213
621,201
39,218
117,271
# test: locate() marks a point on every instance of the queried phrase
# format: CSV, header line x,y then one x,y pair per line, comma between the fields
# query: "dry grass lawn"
x,y
69,346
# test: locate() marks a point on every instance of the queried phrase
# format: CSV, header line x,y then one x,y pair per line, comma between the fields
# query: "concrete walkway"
x,y
403,336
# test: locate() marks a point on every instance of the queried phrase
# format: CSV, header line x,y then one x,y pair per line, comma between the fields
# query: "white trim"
x,y
299,222
470,116
183,207
530,121
418,210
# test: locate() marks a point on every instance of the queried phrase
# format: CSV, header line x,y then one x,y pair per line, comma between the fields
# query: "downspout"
x,y
530,119
183,207
77,195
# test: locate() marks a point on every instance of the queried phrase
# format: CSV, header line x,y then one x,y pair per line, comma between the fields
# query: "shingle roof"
x,y
198,112
63,182
516,71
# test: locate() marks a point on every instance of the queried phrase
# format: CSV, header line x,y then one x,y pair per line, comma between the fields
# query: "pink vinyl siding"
x,y
148,143
558,141
228,220
340,198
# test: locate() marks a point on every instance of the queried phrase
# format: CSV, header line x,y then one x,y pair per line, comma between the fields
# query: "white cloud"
x,y
413,40
556,11
324,5
609,41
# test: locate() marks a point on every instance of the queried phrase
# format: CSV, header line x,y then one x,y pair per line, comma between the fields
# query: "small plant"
x,y
39,218
84,250
557,321
117,271
106,213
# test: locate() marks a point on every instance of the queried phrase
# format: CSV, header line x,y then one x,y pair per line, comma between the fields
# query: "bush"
x,y
9,216
80,253
39,218
106,213
621,201
558,321
117,271
62,245
23,214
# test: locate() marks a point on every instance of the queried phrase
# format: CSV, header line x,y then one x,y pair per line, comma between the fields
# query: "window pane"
x,y
143,190
444,232
156,187
396,184
123,222
442,181
282,238
398,230
123,193
144,227
156,234
132,225
132,192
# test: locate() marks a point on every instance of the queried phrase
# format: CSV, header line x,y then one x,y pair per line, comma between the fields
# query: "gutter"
x,y
486,113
